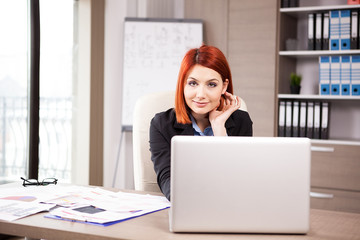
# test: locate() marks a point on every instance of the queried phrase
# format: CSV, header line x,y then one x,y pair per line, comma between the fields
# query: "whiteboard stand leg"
x,y
123,130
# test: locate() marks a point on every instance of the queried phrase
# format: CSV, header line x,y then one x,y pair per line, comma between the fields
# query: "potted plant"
x,y
295,83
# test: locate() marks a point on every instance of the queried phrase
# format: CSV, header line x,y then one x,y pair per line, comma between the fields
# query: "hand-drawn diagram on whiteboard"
x,y
153,51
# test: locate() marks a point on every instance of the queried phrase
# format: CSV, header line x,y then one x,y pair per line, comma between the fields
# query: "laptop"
x,y
240,184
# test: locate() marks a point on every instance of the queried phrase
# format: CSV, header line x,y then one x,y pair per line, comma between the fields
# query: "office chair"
x,y
145,109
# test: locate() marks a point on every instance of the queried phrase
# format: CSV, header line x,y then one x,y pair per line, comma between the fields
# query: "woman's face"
x,y
203,90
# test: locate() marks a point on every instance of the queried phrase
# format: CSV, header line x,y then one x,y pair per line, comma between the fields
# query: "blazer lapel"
x,y
183,129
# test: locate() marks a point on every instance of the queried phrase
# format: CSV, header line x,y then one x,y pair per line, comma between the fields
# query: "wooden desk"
x,y
324,225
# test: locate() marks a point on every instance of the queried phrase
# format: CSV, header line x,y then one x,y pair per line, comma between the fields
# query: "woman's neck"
x,y
202,120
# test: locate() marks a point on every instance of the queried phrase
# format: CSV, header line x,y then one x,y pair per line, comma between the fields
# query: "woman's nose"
x,y
200,92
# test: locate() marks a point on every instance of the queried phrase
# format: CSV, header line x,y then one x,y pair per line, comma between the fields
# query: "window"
x,y
56,80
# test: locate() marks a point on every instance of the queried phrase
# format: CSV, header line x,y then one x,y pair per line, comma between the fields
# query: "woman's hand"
x,y
218,118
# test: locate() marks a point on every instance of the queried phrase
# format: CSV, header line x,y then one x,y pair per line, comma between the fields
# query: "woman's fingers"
x,y
232,100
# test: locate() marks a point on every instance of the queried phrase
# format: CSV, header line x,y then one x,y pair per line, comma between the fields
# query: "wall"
x,y
252,56
88,91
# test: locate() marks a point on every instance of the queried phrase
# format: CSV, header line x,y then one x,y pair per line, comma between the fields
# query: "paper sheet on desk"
x,y
18,202
13,210
106,206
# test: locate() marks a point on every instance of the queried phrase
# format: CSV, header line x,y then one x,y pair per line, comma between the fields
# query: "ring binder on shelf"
x,y
281,127
295,119
310,120
316,134
334,30
355,75
311,30
345,75
354,29
288,122
335,75
345,30
325,34
318,31
324,134
324,75
302,122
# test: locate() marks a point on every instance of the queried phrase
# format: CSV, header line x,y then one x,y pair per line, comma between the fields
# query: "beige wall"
x,y
88,90
252,55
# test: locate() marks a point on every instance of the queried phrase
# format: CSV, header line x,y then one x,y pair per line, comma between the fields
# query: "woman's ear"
x,y
225,85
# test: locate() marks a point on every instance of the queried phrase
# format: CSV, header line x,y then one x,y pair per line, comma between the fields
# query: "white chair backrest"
x,y
145,109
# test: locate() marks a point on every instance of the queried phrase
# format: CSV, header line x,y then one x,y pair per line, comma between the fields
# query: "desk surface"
x,y
324,225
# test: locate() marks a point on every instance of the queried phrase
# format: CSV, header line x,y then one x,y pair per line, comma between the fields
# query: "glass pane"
x,y
56,78
13,90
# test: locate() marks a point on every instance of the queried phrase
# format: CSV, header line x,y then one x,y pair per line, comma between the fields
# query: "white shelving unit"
x,y
293,24
312,54
318,97
335,163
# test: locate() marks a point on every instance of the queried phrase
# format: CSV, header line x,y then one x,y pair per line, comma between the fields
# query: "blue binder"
x,y
355,75
345,29
324,75
345,75
335,75
334,30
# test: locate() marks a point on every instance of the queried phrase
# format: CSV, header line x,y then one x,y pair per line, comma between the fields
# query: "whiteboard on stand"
x,y
153,51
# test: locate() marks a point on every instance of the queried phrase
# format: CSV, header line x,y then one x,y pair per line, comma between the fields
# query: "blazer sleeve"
x,y
239,124
160,155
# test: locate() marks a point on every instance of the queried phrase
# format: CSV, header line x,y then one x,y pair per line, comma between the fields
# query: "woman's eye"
x,y
212,84
192,83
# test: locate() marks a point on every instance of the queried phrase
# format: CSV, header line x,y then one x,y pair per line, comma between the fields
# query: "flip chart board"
x,y
153,51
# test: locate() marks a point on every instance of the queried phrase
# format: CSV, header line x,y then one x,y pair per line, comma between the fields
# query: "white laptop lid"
x,y
240,184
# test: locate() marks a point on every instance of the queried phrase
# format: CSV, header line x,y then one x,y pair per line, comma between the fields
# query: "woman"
x,y
204,106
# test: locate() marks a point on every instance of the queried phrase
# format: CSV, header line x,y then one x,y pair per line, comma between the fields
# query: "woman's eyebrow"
x,y
212,79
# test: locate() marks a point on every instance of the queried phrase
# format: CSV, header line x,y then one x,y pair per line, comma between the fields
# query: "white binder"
x,y
335,75
302,122
288,123
281,130
325,37
345,75
316,134
345,29
354,29
355,75
334,30
311,25
324,134
324,75
295,119
310,120
318,31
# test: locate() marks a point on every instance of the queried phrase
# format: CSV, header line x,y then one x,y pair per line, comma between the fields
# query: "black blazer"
x,y
164,126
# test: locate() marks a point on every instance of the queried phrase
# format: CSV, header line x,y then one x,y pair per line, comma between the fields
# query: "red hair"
x,y
207,56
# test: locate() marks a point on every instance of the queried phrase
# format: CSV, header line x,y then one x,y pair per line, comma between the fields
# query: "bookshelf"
x,y
336,160
293,25
315,54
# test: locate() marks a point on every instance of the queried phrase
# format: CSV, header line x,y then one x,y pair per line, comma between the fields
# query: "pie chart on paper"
x,y
20,198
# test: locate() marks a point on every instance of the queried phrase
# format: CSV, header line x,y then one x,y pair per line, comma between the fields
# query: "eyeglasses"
x,y
35,182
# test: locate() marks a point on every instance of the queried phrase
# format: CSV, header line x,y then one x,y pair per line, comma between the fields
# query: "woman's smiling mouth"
x,y
200,104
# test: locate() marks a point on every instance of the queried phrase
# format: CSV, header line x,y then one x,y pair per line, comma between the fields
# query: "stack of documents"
x,y
74,203
99,206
